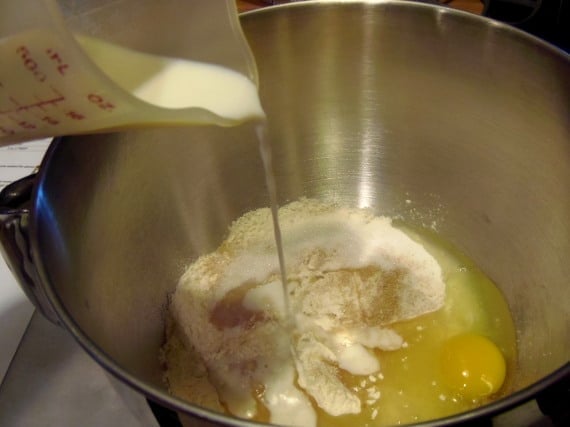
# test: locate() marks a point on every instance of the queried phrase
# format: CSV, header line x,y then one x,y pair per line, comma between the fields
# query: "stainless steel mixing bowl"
x,y
370,105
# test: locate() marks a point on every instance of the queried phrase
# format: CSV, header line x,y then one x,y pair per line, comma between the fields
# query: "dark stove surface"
x,y
547,19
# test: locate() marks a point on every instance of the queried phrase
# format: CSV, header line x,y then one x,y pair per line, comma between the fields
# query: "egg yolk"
x,y
472,365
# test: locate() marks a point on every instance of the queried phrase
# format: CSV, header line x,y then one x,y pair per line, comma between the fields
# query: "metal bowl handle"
x,y
15,200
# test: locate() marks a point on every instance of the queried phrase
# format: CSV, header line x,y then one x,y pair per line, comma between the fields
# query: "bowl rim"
x,y
176,404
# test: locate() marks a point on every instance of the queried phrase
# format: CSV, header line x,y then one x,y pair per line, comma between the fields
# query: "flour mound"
x,y
350,276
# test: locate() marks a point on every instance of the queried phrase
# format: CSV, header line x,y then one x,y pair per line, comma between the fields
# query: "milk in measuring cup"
x,y
176,83
49,87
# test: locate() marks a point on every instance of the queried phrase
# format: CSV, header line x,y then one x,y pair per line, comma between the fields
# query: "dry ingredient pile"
x,y
352,276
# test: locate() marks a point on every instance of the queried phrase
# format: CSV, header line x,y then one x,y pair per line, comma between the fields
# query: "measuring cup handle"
x,y
15,243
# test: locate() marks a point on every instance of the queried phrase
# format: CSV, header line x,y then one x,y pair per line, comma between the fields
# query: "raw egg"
x,y
472,365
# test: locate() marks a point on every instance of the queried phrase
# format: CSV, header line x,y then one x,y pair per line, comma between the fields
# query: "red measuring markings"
x,y
6,131
30,63
62,66
40,103
50,120
75,115
24,124
100,102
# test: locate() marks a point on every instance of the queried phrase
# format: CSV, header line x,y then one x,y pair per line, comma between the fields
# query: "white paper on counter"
x,y
19,160
16,161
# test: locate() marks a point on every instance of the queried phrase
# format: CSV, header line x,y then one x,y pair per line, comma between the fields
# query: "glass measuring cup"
x,y
69,67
